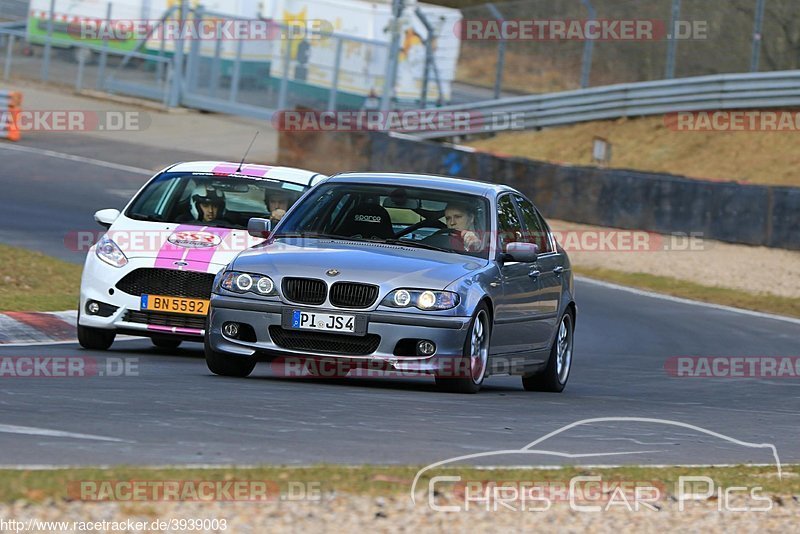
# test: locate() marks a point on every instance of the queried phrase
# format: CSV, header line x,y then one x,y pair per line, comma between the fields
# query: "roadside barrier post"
x,y
11,105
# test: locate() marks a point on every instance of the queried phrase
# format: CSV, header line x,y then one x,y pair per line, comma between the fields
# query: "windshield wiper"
x,y
390,241
310,234
151,218
417,244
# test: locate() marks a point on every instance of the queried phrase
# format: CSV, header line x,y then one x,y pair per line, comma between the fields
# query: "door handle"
x,y
558,270
534,273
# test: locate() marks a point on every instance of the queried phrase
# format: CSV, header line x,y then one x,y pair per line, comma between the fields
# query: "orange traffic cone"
x,y
14,107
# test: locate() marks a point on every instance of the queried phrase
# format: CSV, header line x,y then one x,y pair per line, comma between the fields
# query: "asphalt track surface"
x,y
173,411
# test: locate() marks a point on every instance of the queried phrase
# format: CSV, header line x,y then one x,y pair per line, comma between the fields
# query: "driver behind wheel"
x,y
460,217
207,206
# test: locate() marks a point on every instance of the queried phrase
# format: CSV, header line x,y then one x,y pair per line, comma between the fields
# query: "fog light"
x,y
92,307
426,348
230,329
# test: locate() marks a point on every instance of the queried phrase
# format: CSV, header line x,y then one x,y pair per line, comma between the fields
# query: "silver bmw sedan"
x,y
403,273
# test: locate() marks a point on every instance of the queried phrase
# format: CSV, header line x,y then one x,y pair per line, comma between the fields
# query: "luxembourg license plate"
x,y
328,322
175,304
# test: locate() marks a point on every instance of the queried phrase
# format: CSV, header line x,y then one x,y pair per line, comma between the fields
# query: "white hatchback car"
x,y
151,273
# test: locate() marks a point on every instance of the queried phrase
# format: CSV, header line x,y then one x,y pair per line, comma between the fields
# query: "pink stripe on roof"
x,y
248,170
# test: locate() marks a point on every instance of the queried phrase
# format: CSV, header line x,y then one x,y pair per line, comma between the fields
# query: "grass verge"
x,y
691,290
648,144
31,281
39,486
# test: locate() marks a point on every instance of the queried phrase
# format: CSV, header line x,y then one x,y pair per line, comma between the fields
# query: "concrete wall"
x,y
726,211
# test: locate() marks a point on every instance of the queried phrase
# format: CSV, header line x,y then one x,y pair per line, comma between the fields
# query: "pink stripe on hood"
x,y
169,252
206,255
196,259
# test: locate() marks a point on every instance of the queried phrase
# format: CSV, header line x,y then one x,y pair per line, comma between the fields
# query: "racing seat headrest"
x,y
367,221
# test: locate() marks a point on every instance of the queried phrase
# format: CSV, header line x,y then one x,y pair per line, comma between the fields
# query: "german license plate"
x,y
328,322
175,304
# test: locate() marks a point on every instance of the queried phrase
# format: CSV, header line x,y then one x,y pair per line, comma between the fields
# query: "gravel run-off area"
x,y
756,270
354,513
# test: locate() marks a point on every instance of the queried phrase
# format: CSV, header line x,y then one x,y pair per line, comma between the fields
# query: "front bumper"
x,y
448,333
98,283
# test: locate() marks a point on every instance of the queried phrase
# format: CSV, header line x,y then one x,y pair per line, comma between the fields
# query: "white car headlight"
x,y
402,298
245,282
424,299
109,252
265,285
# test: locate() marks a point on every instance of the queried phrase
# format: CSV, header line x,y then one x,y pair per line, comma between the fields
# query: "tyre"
x,y
474,359
556,373
227,365
166,342
95,338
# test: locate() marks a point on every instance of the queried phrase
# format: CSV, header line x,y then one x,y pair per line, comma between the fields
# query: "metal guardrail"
x,y
724,91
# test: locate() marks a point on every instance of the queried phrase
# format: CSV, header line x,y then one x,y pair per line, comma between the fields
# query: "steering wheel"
x,y
426,223
446,232
444,237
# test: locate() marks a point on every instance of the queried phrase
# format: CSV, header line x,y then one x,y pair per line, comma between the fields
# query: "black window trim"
x,y
550,239
516,211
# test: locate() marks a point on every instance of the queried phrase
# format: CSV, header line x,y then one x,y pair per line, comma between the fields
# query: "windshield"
x,y
424,218
211,200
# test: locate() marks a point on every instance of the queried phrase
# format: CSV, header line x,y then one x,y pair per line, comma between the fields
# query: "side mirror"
x,y
522,252
106,218
258,227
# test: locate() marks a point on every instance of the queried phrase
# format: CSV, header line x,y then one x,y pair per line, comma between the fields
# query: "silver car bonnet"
x,y
390,266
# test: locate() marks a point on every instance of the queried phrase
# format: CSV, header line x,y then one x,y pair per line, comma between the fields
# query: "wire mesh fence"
x,y
430,52
689,38
12,10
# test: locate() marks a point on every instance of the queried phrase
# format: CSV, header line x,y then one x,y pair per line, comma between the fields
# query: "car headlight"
x,y
245,282
424,299
265,285
401,298
109,252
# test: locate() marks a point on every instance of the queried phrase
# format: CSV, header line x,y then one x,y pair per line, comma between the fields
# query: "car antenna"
x,y
247,152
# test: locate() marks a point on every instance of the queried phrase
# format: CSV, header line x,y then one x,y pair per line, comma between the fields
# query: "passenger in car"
x,y
277,203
